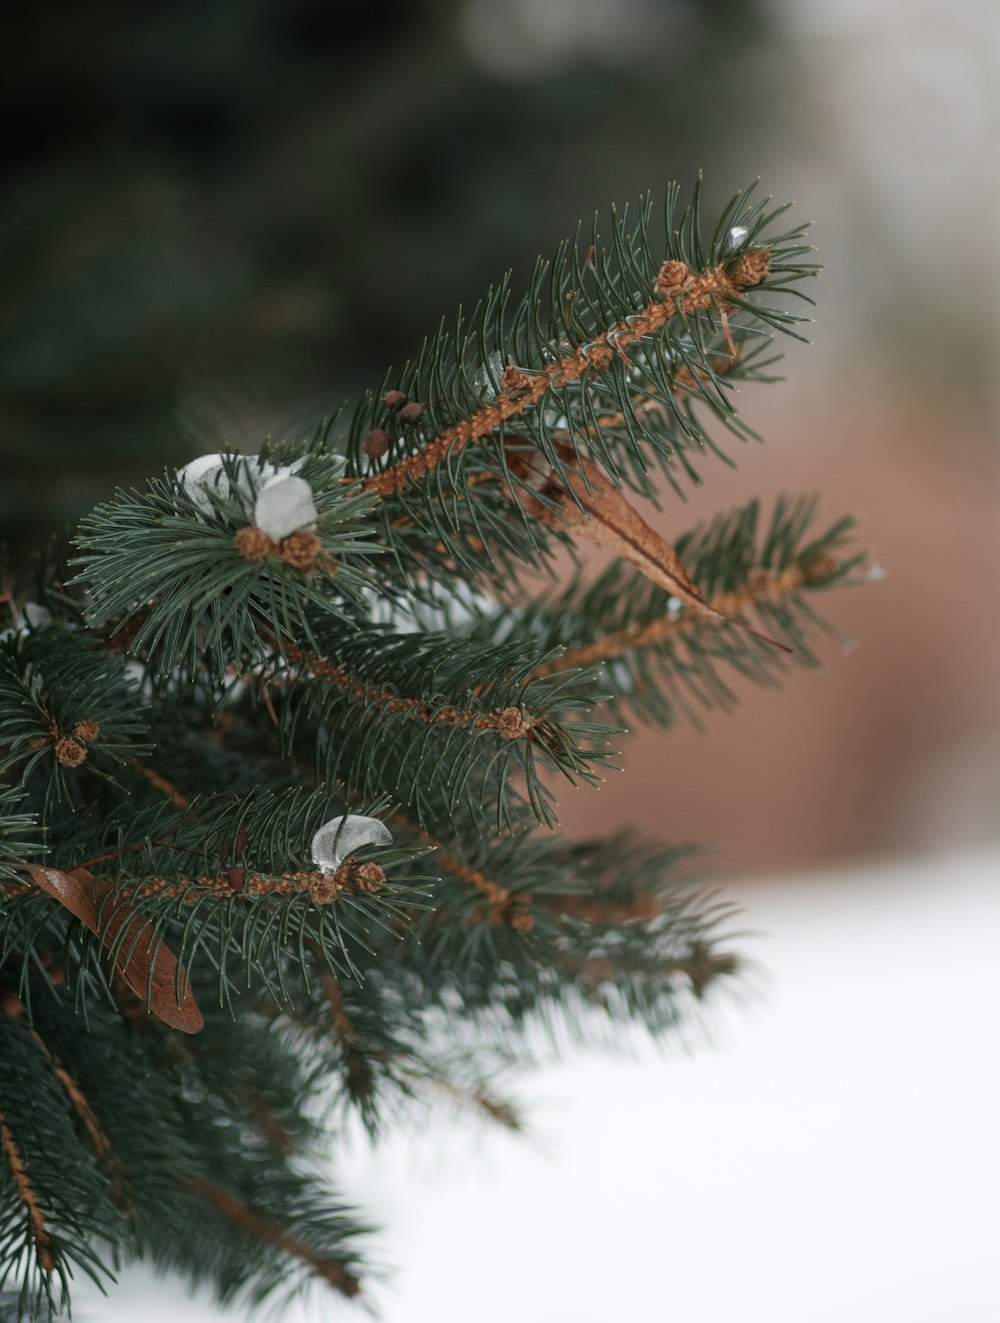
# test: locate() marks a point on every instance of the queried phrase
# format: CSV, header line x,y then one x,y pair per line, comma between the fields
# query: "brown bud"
x,y
671,279
377,443
11,1004
87,731
323,888
515,379
252,544
300,550
751,268
70,752
511,723
818,568
521,921
392,399
411,412
360,877
758,581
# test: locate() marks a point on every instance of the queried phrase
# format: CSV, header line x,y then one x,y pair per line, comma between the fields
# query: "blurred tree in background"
x,y
230,215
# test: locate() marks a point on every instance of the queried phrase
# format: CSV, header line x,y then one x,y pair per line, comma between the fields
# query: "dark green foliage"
x,y
51,679
375,734
154,558
173,738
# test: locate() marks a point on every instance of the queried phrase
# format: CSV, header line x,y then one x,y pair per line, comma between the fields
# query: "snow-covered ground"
x,y
833,1154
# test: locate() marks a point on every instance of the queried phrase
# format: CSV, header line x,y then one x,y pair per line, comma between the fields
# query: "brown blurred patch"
x,y
842,764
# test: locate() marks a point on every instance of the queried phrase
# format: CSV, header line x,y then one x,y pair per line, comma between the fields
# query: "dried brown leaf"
x,y
591,507
148,966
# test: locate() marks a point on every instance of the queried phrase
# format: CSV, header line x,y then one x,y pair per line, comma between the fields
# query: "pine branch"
x,y
261,1228
760,587
360,1075
677,292
103,1150
177,584
29,1198
54,1200
608,353
656,654
417,715
499,905
474,1097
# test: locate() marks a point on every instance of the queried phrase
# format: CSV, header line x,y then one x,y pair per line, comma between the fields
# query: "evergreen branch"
x,y
651,651
29,1198
303,621
511,723
634,905
501,906
675,292
157,921
321,888
182,589
261,1228
54,1204
475,1097
607,355
16,830
68,714
360,1076
419,714
760,586
106,1157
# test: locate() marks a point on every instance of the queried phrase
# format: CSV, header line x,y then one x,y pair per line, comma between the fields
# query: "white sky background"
x,y
834,1154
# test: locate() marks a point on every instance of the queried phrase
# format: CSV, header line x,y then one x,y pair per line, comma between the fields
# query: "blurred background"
x,y
223,217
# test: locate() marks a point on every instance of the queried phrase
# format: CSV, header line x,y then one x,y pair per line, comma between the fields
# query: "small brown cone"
x,y
324,888
252,544
671,279
377,443
360,877
300,550
751,268
511,723
69,752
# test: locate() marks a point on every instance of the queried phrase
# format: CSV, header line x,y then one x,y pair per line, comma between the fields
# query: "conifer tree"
x,y
281,737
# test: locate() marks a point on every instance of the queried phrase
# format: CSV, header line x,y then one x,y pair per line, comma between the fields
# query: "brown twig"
x,y
176,797
594,910
510,722
761,584
262,1228
358,1065
496,1109
36,1218
106,1156
503,908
